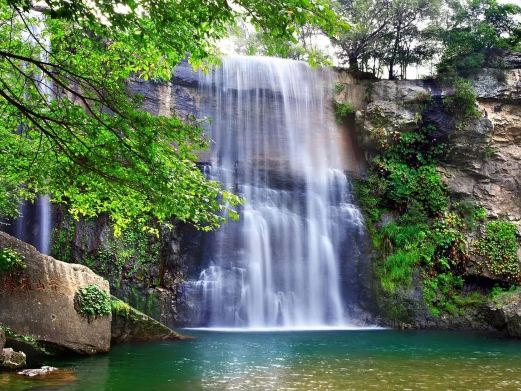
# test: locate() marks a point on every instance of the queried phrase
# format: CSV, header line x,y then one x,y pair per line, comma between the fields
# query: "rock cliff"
x,y
482,164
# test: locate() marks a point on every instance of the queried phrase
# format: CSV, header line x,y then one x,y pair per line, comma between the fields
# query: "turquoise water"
x,y
322,360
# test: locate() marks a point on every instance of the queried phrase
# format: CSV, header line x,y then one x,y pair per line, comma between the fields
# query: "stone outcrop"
x,y
482,164
505,313
38,302
130,325
484,157
10,359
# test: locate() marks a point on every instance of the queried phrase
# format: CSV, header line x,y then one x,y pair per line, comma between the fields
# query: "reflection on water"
x,y
332,360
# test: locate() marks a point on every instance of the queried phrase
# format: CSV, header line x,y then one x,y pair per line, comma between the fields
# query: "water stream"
x,y
276,143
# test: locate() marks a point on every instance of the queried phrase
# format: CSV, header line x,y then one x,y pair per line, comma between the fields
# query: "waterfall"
x,y
37,216
275,142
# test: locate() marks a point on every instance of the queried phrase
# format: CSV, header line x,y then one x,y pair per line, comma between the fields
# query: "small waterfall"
x,y
44,219
34,224
276,143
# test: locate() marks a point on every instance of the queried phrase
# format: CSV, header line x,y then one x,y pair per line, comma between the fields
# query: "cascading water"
x,y
276,143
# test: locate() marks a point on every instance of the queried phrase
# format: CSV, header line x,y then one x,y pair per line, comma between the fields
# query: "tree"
x,y
387,33
68,127
370,20
476,27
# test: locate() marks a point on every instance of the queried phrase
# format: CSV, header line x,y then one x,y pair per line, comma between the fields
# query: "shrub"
x,y
499,247
439,291
398,269
343,111
11,261
91,301
463,102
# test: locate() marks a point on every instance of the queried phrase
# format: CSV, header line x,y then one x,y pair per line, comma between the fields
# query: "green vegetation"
x,y
499,246
92,147
462,104
92,302
476,28
133,255
11,261
387,34
119,307
419,230
343,111
396,34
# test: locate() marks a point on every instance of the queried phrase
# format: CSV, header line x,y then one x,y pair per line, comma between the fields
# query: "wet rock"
x,y
498,84
39,302
130,325
2,339
13,360
43,371
505,313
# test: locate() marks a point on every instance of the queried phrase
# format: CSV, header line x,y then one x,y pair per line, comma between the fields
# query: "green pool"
x,y
322,360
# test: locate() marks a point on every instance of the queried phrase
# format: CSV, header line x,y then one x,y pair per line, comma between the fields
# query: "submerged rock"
x,y
38,302
13,360
43,371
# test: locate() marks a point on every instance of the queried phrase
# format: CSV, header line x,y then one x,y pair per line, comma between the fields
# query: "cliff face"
x,y
481,164
484,155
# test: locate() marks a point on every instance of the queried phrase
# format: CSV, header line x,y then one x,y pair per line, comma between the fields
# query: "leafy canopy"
x,y
475,27
69,128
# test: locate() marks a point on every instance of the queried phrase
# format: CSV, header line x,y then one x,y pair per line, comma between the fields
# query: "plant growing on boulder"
x,y
11,261
91,301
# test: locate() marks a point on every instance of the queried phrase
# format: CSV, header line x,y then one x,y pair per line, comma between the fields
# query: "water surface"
x,y
322,360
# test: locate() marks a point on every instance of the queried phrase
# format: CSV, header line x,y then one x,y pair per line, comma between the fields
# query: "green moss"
x,y
63,240
339,87
120,308
499,247
11,261
26,340
92,302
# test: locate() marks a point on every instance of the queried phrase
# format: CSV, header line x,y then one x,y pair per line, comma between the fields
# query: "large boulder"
x,y
38,302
